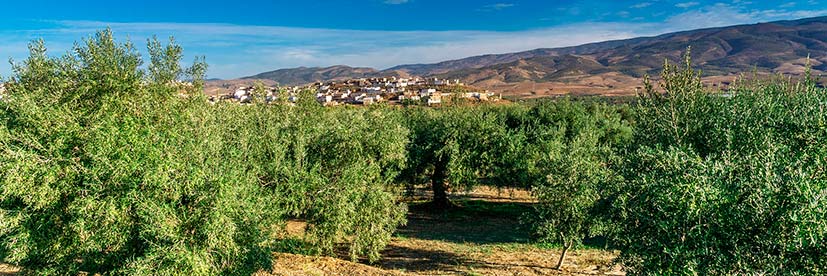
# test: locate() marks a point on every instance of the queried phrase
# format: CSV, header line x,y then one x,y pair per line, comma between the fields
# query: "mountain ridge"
x,y
771,47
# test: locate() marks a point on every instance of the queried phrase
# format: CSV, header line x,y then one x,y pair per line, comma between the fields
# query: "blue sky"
x,y
241,38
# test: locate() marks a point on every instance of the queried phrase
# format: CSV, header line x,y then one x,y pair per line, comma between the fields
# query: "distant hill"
x,y
735,48
493,59
615,66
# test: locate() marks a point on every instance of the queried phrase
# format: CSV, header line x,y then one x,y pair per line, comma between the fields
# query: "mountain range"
x,y
613,67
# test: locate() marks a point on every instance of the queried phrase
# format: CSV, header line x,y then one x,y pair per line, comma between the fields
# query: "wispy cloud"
x,y
396,2
240,50
641,5
720,14
497,7
685,5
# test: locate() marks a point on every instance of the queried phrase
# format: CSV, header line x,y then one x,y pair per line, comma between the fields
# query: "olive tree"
x,y
333,168
107,169
452,148
574,150
111,168
725,183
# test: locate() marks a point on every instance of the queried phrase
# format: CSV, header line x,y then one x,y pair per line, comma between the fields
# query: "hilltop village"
x,y
367,91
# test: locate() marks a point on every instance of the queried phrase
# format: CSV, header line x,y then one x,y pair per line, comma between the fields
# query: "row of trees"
x,y
685,181
110,166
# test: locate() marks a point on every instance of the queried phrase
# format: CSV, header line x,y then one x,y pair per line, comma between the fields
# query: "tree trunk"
x,y
440,188
562,257
565,251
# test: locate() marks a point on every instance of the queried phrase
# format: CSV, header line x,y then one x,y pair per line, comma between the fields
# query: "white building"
x,y
374,89
427,92
239,93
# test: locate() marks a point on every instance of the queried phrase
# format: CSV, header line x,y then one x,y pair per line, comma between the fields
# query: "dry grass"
x,y
290,264
483,237
427,257
7,270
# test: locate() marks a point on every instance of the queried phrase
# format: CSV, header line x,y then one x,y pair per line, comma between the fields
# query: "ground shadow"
x,y
417,260
473,221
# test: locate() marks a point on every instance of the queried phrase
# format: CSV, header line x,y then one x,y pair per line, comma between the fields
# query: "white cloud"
x,y
687,5
496,7
720,15
641,5
236,51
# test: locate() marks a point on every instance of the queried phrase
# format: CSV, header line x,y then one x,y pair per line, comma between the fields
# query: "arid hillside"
x,y
615,67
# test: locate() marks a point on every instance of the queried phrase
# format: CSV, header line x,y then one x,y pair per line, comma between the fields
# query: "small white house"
x,y
239,93
325,98
427,92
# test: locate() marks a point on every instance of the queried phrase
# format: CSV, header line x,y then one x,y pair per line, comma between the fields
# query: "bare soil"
x,y
290,265
7,270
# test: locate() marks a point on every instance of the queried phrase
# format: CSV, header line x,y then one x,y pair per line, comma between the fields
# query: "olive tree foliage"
x,y
452,148
573,152
110,168
725,184
104,170
333,168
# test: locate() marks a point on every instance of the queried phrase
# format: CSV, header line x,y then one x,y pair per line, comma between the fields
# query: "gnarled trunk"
x,y
439,186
